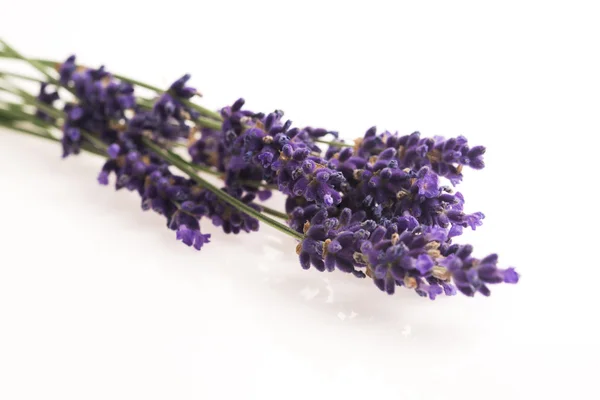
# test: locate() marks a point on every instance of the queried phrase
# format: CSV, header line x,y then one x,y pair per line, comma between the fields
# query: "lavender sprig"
x,y
378,209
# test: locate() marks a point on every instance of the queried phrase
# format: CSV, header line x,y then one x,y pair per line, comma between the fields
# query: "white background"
x,y
98,300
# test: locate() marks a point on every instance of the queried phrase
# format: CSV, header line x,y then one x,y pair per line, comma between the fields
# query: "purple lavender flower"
x,y
402,253
471,275
299,174
427,182
227,217
399,253
179,88
300,212
257,147
209,149
113,150
169,118
350,232
446,157
71,140
101,106
347,163
188,230
67,69
47,97
192,237
330,243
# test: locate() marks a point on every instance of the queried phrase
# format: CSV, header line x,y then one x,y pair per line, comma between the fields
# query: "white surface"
x,y
98,301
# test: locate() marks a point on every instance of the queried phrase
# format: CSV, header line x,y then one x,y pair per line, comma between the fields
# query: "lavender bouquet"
x,y
381,208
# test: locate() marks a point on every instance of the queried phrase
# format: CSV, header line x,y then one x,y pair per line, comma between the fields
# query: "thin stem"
x,y
334,143
15,112
31,100
176,160
182,166
101,146
20,76
14,127
211,120
220,175
205,122
275,213
11,125
209,123
209,113
34,63
92,150
9,52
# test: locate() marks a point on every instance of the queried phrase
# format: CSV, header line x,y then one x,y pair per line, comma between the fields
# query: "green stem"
x,y
166,154
101,146
30,99
182,166
210,120
20,76
15,111
218,174
12,126
208,123
334,143
205,122
34,63
41,65
44,135
273,212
